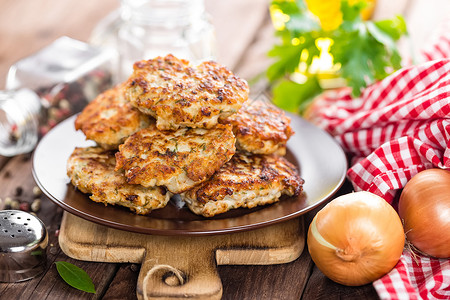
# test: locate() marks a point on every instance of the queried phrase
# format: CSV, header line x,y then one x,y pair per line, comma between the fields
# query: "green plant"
x,y
361,51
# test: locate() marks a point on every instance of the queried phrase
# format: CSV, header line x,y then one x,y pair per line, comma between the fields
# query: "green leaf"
x,y
366,54
289,57
395,27
75,277
352,52
302,23
356,72
294,97
379,66
366,51
396,60
287,7
352,12
381,36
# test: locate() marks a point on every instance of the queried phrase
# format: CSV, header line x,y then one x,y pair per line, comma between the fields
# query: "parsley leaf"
x,y
364,51
295,97
288,60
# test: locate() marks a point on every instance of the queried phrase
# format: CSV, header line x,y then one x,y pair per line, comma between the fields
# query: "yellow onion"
x,y
356,238
424,207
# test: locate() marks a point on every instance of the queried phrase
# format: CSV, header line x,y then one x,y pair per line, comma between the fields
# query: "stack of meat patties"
x,y
172,128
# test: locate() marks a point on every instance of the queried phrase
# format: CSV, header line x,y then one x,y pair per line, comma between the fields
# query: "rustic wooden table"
x,y
244,34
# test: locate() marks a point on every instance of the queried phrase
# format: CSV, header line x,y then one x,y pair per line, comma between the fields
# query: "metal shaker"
x,y
23,244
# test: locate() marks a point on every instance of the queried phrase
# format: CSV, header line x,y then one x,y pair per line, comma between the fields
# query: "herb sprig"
x,y
363,51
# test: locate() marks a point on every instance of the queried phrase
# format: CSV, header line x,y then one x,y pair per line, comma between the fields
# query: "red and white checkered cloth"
x,y
416,278
395,129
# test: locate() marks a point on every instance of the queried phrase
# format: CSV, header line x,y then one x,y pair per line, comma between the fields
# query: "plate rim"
x,y
181,232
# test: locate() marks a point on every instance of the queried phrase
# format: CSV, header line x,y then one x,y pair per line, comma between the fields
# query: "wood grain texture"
x,y
320,287
286,281
195,257
236,23
16,174
254,62
13,184
27,26
3,161
123,285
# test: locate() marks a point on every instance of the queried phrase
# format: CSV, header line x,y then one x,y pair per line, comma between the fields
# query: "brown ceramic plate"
x,y
320,159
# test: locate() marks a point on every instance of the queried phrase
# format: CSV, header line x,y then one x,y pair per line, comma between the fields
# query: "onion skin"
x,y
424,207
356,238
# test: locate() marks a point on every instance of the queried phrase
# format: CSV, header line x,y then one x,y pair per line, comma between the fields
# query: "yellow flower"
x,y
367,12
328,12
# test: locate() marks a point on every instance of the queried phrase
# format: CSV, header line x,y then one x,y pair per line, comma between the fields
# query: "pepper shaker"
x,y
23,244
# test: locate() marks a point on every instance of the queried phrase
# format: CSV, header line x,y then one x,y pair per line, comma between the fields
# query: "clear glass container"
x,y
47,87
144,29
18,121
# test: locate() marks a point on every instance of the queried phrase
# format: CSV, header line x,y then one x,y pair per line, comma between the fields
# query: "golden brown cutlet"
x,y
260,128
177,159
109,119
247,180
91,170
180,95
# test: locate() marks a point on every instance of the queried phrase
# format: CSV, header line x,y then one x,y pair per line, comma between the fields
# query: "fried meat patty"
x,y
91,170
179,95
247,180
261,128
177,159
109,119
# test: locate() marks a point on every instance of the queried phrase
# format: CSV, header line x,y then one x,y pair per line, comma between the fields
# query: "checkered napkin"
x,y
395,129
416,277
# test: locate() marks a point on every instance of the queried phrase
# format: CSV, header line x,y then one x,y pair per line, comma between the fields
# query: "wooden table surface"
x,y
244,34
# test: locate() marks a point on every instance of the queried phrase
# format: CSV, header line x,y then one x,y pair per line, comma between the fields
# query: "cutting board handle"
x,y
176,267
188,275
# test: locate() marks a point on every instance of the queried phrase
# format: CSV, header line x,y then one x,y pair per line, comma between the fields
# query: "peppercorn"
x,y
36,205
24,206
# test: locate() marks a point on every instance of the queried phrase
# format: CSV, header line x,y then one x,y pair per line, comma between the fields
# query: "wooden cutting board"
x,y
181,266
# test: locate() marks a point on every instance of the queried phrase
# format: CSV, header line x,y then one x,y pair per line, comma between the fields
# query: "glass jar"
x,y
47,87
144,29
19,110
